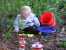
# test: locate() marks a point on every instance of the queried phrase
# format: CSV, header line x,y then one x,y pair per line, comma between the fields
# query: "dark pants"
x,y
46,30
31,30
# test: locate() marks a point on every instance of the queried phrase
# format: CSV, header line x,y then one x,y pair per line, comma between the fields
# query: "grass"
x,y
13,6
62,44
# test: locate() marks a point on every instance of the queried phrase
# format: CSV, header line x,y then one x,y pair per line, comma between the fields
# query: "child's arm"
x,y
16,24
36,22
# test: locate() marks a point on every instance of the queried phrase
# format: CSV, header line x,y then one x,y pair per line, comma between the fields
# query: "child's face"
x,y
25,13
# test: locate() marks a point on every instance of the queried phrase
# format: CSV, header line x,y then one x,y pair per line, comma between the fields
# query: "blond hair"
x,y
28,8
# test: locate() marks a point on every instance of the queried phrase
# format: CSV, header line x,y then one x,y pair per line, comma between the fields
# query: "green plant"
x,y
8,33
62,44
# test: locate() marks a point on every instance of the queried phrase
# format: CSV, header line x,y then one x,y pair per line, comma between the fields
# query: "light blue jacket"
x,y
29,21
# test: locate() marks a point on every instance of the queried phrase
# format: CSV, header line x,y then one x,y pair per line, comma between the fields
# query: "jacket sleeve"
x,y
16,24
36,22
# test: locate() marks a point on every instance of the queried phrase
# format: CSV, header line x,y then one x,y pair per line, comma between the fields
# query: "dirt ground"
x,y
50,44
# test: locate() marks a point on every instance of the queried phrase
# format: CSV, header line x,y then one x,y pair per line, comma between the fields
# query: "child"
x,y
48,23
26,21
48,18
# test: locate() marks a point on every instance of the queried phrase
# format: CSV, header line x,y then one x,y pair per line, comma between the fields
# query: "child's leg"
x,y
31,30
46,35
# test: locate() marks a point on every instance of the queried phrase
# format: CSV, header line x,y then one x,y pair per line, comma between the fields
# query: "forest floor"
x,y
52,44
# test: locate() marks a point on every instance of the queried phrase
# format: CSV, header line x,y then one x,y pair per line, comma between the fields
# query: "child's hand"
x,y
16,30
